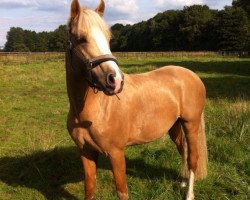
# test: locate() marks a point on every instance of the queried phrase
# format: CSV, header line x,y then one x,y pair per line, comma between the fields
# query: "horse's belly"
x,y
155,129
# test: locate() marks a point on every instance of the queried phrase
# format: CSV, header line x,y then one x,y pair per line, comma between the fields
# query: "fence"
x,y
33,57
168,54
242,54
30,57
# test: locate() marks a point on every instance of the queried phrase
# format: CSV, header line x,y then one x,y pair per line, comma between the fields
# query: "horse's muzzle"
x,y
114,85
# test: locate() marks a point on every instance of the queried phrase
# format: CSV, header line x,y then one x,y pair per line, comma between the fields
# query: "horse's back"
x,y
170,77
175,73
180,85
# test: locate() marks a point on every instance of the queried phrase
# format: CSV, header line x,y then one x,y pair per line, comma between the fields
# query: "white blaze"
x,y
103,46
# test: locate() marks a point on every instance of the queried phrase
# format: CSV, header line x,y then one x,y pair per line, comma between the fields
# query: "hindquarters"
x,y
188,132
190,139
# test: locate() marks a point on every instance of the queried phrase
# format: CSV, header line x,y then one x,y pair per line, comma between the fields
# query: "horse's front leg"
x,y
89,160
117,159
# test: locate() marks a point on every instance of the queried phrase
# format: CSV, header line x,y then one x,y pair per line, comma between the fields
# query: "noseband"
x,y
72,47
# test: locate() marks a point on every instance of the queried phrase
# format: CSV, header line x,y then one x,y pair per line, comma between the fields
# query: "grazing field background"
x,y
38,159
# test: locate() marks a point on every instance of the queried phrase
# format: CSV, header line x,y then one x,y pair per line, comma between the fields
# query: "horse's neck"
x,y
78,89
77,86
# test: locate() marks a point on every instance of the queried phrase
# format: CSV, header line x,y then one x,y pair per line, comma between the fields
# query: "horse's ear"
x,y
100,9
75,9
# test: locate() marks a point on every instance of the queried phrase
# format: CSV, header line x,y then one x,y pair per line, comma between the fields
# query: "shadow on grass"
x,y
48,171
45,171
233,81
224,67
229,87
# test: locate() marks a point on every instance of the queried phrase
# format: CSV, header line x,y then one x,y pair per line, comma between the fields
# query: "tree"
x,y
30,38
15,40
57,39
26,40
193,27
233,29
140,37
42,42
115,42
190,29
244,4
119,41
164,28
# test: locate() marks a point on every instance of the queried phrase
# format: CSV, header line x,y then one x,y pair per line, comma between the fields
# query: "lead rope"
x,y
117,97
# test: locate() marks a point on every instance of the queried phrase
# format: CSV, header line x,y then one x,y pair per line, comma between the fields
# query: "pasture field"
x,y
38,159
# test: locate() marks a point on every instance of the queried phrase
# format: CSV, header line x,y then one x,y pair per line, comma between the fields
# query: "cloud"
x,y
34,4
121,11
128,6
38,23
175,4
179,4
215,4
10,4
119,21
34,23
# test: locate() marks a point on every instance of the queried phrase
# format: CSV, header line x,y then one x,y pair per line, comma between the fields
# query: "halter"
x,y
73,47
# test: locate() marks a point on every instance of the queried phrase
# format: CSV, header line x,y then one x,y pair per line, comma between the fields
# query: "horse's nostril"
x,y
111,80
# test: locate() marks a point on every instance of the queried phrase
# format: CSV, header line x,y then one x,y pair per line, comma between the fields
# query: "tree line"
x,y
194,28
19,40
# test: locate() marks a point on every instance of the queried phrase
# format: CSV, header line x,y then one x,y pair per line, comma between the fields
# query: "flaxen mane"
x,y
86,20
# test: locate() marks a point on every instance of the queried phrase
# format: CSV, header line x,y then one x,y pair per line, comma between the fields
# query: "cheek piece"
x,y
72,47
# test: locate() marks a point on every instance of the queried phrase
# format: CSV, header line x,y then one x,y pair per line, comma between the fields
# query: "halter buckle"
x,y
70,45
90,64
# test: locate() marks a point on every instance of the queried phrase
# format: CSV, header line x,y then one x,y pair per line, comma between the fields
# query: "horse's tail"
x,y
201,171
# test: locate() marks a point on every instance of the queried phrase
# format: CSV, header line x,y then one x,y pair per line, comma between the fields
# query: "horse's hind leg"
x,y
176,134
191,131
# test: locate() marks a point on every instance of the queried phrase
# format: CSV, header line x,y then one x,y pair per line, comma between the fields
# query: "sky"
x,y
47,15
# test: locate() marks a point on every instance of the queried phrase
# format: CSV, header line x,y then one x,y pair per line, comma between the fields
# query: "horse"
x,y
170,100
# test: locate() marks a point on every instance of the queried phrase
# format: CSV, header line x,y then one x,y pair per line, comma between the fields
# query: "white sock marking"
x,y
190,194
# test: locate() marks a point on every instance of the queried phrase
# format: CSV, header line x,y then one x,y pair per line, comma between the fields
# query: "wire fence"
x,y
30,57
167,54
35,57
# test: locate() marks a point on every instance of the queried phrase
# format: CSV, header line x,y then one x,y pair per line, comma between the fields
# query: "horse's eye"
x,y
82,40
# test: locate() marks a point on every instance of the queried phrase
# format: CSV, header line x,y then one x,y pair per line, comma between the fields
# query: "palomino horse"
x,y
169,99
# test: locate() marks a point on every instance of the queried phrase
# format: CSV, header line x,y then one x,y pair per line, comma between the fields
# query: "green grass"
x,y
38,159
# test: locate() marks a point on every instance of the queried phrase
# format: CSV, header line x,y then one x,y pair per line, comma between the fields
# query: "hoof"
x,y
91,198
190,197
183,184
123,196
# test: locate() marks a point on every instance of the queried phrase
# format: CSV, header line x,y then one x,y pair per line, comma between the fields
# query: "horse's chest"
x,y
96,133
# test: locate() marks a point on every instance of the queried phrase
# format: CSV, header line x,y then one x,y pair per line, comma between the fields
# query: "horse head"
x,y
89,39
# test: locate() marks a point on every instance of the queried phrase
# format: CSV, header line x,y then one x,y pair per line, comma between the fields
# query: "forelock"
x,y
87,20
